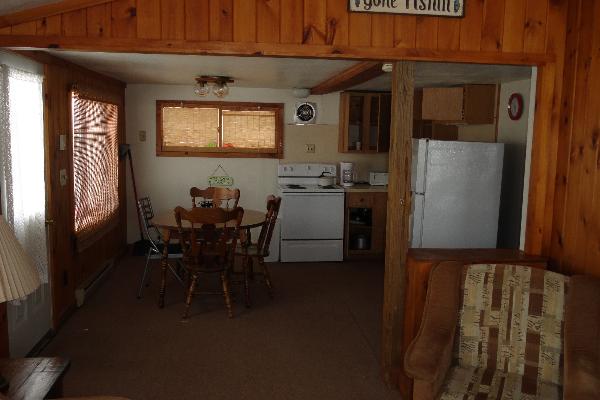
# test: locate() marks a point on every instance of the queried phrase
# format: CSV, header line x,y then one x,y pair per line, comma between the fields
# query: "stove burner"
x,y
328,187
296,187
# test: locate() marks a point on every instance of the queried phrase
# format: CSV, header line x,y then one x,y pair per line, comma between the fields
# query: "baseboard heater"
x,y
92,283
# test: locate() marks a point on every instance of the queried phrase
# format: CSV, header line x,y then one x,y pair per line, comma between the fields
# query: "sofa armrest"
x,y
430,353
582,339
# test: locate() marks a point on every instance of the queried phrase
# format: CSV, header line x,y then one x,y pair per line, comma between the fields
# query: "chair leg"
x,y
146,267
190,295
226,294
245,263
267,276
174,272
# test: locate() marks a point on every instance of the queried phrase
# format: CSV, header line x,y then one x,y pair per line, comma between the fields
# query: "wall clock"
x,y
515,106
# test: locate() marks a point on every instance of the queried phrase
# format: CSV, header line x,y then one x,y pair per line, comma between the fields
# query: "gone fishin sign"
x,y
440,8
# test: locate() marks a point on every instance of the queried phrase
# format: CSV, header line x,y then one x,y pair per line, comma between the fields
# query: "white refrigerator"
x,y
455,194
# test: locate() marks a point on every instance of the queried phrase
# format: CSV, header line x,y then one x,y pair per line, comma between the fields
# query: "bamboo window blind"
x,y
195,128
95,166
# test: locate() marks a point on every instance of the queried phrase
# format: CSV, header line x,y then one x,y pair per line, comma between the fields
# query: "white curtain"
x,y
22,161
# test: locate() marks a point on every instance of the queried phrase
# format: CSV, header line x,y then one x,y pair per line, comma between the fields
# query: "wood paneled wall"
x,y
69,268
490,26
575,237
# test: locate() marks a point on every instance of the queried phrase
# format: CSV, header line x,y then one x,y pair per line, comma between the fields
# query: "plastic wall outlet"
x,y
142,136
310,148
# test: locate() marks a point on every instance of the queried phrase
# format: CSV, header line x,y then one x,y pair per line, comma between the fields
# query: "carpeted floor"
x,y
319,339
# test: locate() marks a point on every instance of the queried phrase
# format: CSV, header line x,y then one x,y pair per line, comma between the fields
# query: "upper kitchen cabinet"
x,y
365,122
468,104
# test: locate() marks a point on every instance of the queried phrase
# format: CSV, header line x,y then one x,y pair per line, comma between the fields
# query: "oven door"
x,y
312,216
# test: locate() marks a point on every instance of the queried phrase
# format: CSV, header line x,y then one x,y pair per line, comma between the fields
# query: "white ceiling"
x,y
428,74
282,73
10,6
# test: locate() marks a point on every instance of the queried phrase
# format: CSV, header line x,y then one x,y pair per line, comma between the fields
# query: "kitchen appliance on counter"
x,y
347,174
378,178
312,216
455,194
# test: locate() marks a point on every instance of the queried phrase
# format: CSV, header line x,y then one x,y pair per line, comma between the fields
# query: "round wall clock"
x,y
515,106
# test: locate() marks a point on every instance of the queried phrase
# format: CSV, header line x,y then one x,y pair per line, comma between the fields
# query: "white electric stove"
x,y
312,216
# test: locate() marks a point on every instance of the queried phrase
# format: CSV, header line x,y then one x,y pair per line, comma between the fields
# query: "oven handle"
x,y
312,194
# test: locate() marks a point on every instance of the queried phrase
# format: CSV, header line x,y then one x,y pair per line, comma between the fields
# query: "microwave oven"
x,y
378,178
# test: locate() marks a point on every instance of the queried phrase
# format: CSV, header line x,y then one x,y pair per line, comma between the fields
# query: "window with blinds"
x,y
95,167
197,128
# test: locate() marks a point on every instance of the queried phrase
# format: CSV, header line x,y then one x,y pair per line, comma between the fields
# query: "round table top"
x,y
252,219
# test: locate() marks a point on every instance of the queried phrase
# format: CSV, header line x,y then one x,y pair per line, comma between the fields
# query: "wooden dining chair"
x,y
259,250
208,241
218,196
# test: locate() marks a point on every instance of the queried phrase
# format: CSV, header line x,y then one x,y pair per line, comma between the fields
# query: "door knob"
x,y
49,221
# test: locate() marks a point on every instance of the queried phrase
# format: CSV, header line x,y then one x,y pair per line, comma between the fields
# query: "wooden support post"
x,y
397,222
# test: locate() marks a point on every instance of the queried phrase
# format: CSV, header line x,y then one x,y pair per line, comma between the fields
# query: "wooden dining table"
x,y
167,224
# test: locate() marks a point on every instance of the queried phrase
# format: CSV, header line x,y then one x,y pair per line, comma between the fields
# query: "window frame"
x,y
221,152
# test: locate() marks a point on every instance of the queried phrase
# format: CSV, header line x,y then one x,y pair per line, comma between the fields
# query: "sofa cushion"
x,y
511,320
468,383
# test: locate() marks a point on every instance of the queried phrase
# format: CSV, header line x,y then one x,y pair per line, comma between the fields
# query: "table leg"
x,y
164,264
250,265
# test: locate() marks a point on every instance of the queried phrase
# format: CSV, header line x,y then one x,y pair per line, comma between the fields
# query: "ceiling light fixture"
x,y
218,83
202,89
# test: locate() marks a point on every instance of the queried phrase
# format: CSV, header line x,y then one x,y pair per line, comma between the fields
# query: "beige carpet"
x,y
318,339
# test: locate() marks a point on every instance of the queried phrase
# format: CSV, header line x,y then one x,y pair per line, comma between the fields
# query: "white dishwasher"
x,y
312,216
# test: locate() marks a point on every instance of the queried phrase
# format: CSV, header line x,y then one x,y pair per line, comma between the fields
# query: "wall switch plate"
x,y
62,142
310,148
63,177
142,136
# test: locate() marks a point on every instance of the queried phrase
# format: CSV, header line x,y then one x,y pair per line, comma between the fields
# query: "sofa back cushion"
x,y
511,320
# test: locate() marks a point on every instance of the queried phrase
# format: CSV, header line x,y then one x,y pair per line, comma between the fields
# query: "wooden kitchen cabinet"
x,y
365,221
431,130
365,119
467,104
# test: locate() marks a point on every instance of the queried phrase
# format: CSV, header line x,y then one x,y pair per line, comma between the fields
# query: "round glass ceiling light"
x,y
221,89
202,89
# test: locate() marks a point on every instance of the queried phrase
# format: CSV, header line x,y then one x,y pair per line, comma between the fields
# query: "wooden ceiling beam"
x,y
355,75
46,10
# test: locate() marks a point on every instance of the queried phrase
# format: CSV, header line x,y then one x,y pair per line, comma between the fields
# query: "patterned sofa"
x,y
507,332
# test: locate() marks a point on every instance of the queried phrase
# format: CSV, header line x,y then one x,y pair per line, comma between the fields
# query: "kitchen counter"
x,y
366,188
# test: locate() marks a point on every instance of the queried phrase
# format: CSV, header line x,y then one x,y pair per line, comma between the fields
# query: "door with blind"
x,y
24,201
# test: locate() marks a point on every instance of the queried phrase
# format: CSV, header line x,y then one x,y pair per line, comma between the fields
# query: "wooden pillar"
x,y
397,222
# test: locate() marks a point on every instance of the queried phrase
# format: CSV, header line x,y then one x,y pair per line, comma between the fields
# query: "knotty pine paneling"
x,y
244,21
149,19
268,21
74,23
536,14
575,245
315,22
99,20
172,19
197,20
221,20
502,26
70,268
448,33
493,26
382,31
514,25
337,21
49,26
292,21
405,31
124,19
